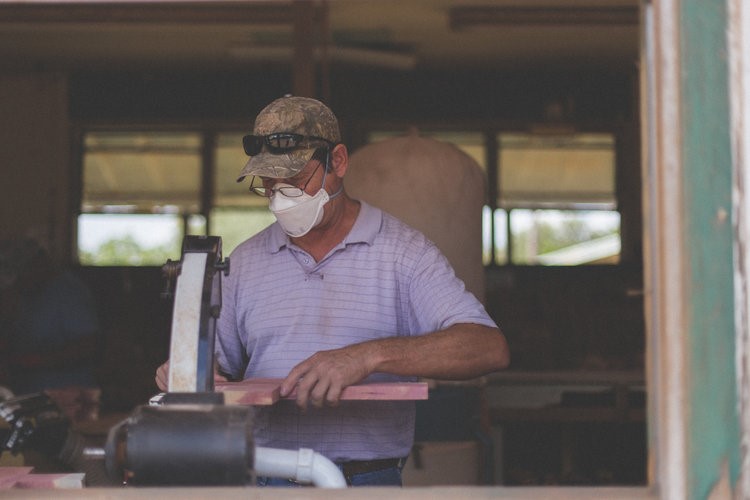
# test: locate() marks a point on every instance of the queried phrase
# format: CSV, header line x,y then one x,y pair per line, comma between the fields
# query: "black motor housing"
x,y
183,444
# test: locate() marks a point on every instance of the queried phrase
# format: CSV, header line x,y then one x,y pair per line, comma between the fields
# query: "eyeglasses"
x,y
280,143
290,191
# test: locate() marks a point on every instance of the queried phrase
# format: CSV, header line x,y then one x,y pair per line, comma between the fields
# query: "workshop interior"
x,y
122,143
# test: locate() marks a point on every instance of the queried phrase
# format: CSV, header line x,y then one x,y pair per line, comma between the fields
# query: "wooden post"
x,y
303,62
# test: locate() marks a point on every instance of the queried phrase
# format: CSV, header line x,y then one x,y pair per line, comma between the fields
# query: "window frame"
x,y
208,133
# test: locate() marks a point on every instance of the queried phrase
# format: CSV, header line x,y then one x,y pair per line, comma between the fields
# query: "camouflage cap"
x,y
298,115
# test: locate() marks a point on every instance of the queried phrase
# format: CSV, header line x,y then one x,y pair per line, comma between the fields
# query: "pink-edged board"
x,y
22,477
265,391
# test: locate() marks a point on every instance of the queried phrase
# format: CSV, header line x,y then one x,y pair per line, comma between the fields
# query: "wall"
x,y
35,159
570,318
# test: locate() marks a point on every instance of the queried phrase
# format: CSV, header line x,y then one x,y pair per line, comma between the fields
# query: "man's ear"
x,y
339,160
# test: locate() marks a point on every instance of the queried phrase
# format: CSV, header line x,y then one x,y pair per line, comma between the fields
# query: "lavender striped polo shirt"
x,y
279,307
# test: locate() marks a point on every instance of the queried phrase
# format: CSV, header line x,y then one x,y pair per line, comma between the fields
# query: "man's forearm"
x,y
459,352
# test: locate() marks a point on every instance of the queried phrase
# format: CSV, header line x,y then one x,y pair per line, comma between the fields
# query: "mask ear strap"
x,y
325,172
323,155
329,148
336,193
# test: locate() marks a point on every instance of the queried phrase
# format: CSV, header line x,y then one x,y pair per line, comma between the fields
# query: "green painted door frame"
x,y
688,179
713,424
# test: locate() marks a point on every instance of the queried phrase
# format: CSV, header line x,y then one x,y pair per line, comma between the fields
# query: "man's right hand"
x,y
162,376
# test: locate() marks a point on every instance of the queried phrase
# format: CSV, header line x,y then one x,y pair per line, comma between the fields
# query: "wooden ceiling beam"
x,y
264,13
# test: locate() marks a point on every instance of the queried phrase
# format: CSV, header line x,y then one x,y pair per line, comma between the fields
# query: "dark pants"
x,y
384,477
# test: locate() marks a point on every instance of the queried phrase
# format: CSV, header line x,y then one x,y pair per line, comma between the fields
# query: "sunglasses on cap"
x,y
280,143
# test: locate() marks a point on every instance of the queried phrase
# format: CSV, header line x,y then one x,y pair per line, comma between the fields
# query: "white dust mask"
x,y
299,214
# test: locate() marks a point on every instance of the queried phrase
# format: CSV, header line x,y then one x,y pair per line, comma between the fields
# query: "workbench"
x,y
568,408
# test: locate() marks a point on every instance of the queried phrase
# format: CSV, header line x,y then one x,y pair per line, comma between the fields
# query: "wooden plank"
x,y
22,477
260,392
73,480
10,475
387,391
266,391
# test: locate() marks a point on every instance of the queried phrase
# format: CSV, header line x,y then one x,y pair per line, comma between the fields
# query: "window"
x,y
143,191
564,237
553,196
236,214
557,193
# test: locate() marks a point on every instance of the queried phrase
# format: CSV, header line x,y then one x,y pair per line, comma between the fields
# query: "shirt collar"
x,y
367,225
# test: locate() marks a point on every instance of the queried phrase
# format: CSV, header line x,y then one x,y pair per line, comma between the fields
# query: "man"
x,y
335,293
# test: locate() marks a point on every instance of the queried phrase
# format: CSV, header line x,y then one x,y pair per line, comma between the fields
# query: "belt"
x,y
354,467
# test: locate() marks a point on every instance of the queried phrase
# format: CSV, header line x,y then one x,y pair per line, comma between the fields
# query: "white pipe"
x,y
304,466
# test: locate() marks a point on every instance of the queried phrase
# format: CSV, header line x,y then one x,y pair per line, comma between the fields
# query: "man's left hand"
x,y
322,377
